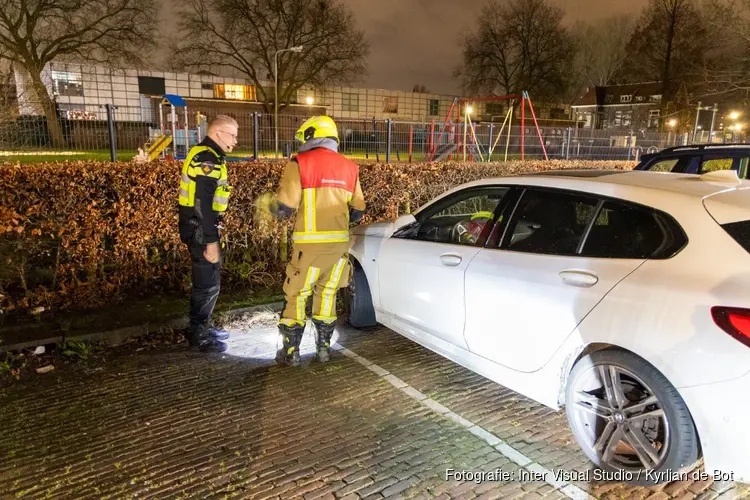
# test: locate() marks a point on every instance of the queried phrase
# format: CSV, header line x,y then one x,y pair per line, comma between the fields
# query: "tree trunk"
x,y
53,122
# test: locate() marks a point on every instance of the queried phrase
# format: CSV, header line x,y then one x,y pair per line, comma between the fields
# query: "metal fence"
x,y
119,133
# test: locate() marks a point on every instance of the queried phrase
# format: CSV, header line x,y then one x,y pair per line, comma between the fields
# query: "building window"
x,y
434,107
149,85
626,98
390,104
207,86
235,92
65,83
350,101
655,98
623,118
653,118
609,98
77,112
639,98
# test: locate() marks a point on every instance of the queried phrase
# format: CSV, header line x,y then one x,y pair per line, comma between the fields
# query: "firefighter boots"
x,y
324,332
289,352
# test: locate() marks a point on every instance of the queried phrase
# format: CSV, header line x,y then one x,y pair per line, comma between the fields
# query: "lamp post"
x,y
276,95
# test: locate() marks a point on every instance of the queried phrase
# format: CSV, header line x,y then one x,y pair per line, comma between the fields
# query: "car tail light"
x,y
733,320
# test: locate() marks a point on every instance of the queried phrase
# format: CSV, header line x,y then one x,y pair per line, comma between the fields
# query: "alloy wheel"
x,y
622,420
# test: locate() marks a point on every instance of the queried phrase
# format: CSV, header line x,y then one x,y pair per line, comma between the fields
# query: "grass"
x,y
28,157
397,155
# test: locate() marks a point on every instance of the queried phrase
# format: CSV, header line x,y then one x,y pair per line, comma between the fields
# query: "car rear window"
x,y
740,232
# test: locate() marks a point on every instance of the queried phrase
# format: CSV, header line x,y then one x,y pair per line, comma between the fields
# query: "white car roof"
x,y
666,191
603,181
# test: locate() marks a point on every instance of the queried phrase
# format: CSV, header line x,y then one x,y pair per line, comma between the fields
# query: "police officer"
x,y
203,198
324,188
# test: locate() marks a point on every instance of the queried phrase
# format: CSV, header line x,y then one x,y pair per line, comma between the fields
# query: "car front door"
x,y
421,267
554,264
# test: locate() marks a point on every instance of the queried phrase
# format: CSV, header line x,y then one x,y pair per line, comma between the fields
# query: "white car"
x,y
622,296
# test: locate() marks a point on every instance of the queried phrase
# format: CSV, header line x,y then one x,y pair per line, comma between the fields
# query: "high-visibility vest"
x,y
191,169
328,181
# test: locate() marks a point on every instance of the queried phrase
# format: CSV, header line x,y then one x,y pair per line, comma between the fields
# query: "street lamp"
x,y
276,95
309,100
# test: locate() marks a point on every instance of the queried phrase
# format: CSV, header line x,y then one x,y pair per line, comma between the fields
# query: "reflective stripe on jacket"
x,y
192,168
321,185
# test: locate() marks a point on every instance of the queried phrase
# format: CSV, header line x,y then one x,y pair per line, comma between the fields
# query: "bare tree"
x,y
667,45
518,45
602,48
726,68
246,34
36,32
8,92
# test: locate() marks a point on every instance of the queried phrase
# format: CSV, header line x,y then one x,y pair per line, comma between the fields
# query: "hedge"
x,y
79,235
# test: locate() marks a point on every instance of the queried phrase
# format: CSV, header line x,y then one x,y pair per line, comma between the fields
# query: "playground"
x,y
169,129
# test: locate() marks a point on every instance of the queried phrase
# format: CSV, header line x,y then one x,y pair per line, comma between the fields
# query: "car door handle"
x,y
450,259
578,278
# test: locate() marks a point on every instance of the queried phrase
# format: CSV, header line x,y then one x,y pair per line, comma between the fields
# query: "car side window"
x,y
666,165
623,231
715,163
549,222
465,219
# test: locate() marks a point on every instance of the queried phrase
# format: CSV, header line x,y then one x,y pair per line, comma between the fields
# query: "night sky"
x,y
417,41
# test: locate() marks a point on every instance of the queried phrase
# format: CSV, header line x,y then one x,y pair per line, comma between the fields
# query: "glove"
x,y
355,215
265,212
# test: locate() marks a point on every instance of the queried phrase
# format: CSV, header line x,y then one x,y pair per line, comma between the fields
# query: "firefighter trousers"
x,y
317,270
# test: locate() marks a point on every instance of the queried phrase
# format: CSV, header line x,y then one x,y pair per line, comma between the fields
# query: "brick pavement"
x,y
170,423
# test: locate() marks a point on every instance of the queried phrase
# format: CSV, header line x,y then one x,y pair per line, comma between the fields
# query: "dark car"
x,y
699,159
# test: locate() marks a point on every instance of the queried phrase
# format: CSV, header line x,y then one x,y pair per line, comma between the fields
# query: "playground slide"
x,y
155,149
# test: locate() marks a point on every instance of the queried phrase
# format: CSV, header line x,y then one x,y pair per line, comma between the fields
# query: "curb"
x,y
119,335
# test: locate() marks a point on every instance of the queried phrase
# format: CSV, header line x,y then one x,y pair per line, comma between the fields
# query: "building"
x,y
81,90
632,106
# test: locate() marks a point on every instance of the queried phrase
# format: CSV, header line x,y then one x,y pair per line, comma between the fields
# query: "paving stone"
x,y
166,423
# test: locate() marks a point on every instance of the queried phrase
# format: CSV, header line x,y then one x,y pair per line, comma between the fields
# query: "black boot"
x,y
324,331
200,338
289,352
218,333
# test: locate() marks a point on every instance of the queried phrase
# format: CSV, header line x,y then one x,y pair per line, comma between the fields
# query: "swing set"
x,y
469,128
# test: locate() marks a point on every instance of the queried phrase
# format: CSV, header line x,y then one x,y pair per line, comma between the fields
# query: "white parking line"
x,y
515,456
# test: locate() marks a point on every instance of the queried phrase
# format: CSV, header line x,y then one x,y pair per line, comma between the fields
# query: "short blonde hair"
x,y
219,120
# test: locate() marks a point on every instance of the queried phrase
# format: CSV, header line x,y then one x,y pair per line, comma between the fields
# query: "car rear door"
x,y
561,253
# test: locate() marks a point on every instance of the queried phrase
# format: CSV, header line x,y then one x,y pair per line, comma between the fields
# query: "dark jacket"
x,y
204,195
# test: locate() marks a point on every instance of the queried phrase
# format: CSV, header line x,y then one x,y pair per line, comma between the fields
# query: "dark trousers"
x,y
206,286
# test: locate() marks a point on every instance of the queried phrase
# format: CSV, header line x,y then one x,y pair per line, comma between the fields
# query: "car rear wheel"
x,y
358,300
628,419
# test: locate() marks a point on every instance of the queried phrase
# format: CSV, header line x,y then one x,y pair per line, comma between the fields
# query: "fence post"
x,y
411,140
567,147
388,141
111,130
489,144
630,144
255,135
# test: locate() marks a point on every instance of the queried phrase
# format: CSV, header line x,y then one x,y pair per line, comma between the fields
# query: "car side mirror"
x,y
403,221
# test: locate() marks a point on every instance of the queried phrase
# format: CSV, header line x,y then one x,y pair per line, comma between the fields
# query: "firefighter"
x,y
203,199
323,187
